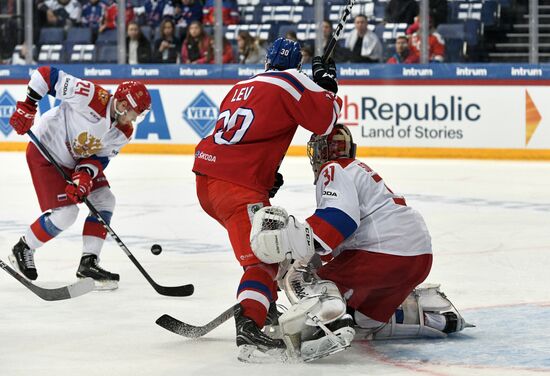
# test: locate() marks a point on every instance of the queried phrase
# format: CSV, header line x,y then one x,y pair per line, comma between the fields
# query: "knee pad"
x,y
64,217
103,199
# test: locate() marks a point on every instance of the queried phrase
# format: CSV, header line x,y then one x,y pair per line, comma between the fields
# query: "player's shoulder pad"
x,y
100,100
126,129
341,162
304,80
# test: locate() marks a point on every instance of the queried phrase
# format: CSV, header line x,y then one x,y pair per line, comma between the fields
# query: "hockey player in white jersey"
x,y
379,250
83,133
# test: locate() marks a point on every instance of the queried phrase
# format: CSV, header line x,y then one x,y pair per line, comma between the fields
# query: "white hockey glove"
x,y
276,236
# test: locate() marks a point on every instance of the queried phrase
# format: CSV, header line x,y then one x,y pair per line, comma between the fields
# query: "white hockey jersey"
x,y
79,131
356,210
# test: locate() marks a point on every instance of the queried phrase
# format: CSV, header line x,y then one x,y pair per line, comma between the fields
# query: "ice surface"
x,y
489,223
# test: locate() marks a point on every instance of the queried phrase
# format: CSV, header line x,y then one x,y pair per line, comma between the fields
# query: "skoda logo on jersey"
x,y
201,114
7,107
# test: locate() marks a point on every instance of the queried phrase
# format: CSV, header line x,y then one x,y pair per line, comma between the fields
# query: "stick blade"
x,y
185,290
178,327
79,288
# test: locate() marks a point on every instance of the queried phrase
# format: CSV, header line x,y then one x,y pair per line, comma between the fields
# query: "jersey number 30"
x,y
234,126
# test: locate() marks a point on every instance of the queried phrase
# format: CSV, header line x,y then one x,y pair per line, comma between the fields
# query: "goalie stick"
x,y
184,290
338,31
67,292
186,330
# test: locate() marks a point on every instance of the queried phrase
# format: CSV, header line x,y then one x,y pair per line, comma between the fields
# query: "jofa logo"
x,y
7,107
201,114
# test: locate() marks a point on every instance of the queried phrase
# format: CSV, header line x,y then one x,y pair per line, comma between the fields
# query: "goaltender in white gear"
x,y
316,324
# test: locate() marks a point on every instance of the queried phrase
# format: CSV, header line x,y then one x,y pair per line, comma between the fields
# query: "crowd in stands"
x,y
181,31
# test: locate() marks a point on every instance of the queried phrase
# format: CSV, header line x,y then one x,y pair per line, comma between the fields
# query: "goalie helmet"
x,y
283,54
337,144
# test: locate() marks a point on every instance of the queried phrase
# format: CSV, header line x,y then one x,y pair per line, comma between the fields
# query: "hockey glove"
x,y
324,75
23,117
81,187
276,185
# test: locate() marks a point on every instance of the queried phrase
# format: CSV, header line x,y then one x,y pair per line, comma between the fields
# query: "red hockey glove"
x,y
81,188
23,117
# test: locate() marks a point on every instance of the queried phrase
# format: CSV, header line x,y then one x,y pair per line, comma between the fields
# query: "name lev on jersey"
x,y
257,121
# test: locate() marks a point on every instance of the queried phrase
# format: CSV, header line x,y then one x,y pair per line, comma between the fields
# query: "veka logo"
x,y
7,107
201,114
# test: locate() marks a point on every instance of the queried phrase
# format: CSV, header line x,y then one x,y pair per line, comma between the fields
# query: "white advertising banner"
x,y
437,116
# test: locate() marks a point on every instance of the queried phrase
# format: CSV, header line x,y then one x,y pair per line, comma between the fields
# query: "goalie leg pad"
x,y
425,314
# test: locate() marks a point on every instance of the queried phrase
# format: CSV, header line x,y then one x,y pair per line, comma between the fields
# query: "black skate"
x,y
22,258
271,327
254,345
103,279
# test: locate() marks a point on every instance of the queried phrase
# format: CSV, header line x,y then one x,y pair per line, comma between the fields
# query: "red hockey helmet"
x,y
136,94
337,144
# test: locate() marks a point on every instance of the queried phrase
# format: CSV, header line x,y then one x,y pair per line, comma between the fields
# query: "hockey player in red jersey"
x,y
237,165
83,133
380,251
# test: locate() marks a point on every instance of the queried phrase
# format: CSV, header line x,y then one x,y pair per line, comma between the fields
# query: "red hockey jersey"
x,y
256,124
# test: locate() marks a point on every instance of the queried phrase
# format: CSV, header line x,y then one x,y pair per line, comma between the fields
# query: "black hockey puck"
x,y
156,249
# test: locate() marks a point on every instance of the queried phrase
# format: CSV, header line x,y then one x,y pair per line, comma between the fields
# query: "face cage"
x,y
317,151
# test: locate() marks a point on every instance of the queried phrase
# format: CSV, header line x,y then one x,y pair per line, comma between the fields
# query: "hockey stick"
x,y
178,327
338,31
67,292
184,290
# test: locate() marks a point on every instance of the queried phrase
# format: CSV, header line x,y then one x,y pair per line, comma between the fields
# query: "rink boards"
x,y
441,111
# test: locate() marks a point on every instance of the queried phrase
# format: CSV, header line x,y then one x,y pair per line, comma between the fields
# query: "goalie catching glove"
x,y
276,236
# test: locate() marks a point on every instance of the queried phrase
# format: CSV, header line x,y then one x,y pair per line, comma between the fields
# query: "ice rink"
x,y
489,221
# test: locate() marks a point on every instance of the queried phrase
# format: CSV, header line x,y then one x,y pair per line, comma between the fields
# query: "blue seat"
x,y
452,31
51,35
472,29
489,12
80,35
81,53
147,32
454,35
107,37
51,53
107,54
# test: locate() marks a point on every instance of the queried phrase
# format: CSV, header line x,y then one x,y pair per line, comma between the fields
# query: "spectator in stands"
x,y
154,11
108,22
401,11
60,13
364,45
228,56
196,48
138,48
307,54
436,49
167,46
230,12
249,50
340,54
186,12
92,13
403,54
291,35
438,12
